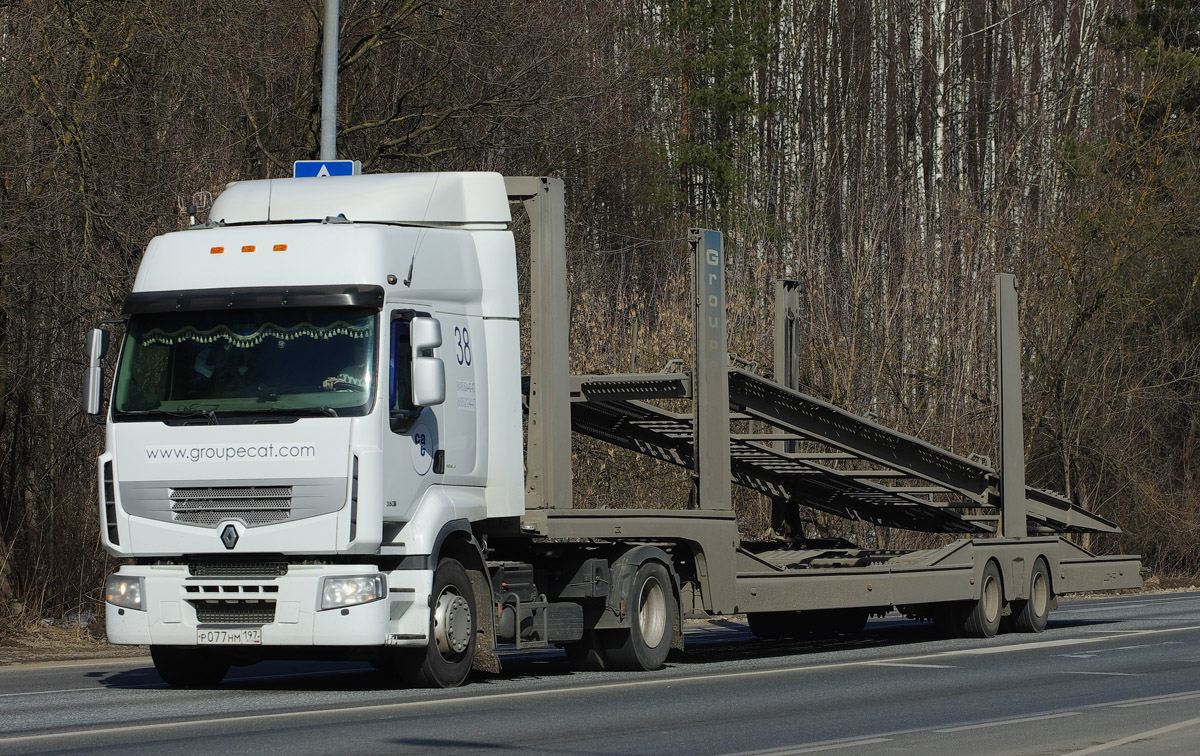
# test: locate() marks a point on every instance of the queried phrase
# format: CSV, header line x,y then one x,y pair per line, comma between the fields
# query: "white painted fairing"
x,y
410,198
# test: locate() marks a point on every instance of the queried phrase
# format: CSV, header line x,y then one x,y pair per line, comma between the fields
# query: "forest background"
x,y
889,154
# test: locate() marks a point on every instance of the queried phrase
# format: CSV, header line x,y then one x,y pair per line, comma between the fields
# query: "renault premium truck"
x,y
320,444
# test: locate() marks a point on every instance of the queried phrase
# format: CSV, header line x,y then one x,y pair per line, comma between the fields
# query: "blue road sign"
x,y
315,168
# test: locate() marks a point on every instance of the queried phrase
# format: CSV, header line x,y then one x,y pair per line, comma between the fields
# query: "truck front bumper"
x,y
178,608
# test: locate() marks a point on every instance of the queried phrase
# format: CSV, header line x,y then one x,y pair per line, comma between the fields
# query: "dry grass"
x,y
25,641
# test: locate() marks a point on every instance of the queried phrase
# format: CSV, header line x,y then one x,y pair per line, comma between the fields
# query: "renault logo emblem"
x,y
229,536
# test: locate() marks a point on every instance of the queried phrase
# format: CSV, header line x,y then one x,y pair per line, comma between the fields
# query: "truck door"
x,y
413,438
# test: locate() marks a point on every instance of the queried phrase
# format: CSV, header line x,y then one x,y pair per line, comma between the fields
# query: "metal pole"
x,y
1013,507
329,82
787,310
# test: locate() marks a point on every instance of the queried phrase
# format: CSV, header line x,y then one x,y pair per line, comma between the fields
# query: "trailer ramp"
x,y
842,464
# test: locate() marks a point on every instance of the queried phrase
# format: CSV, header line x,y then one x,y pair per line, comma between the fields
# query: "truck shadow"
x,y
268,676
728,641
716,642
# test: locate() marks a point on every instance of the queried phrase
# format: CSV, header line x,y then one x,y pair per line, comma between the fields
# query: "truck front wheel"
x,y
452,625
189,667
651,606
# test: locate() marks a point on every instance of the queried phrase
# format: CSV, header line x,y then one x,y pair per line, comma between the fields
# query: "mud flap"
x,y
486,659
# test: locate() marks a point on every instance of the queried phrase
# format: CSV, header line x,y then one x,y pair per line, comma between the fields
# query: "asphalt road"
x,y
1115,676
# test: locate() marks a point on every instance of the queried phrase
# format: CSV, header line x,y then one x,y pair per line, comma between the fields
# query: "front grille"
x,y
237,568
235,612
253,505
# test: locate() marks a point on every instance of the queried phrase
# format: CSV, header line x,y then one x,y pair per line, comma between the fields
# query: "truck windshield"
x,y
246,362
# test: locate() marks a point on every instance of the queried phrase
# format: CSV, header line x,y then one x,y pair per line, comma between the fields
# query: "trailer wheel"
x,y
770,625
189,667
647,641
1030,615
983,620
452,626
947,619
827,622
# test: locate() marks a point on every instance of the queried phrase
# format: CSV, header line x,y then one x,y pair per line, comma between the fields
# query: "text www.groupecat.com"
x,y
229,453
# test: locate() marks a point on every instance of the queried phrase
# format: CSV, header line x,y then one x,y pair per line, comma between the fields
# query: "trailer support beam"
x,y
1013,507
548,452
787,361
711,478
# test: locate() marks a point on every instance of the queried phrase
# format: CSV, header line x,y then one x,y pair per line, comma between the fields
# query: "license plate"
x,y
227,636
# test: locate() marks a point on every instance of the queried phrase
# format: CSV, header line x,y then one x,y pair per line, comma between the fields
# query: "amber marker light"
x,y
280,247
248,248
216,250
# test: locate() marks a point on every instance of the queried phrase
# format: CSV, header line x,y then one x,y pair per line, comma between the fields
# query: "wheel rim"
x,y
991,599
652,613
451,624
1039,594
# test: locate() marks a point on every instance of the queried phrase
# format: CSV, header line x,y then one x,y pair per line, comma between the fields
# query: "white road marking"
x,y
812,747
115,660
1097,652
1148,734
919,666
1109,604
1110,674
1059,643
1159,699
1104,608
1016,720
48,692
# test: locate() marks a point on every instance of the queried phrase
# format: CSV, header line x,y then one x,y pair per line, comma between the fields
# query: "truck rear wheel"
x,y
189,667
1031,615
651,606
983,620
447,659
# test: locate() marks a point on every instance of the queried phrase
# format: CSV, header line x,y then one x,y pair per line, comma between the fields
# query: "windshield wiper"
x,y
207,414
324,411
170,417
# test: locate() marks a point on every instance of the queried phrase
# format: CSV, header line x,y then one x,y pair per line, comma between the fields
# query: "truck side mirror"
x,y
426,335
95,347
428,372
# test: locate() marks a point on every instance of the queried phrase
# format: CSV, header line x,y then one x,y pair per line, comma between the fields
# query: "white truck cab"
x,y
284,449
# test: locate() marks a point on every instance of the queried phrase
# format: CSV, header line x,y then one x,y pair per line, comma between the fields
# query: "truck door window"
x,y
400,392
402,412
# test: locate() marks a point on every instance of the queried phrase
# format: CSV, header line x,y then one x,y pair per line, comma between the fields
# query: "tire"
x,y
948,619
587,654
189,667
830,622
647,641
983,620
1030,615
447,660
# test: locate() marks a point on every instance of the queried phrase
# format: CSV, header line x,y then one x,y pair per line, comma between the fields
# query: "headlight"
x,y
125,591
337,592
